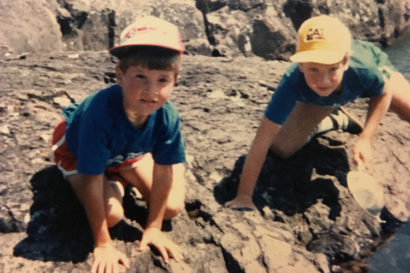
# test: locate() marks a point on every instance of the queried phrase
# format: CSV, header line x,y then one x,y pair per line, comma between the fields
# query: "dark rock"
x,y
209,27
306,221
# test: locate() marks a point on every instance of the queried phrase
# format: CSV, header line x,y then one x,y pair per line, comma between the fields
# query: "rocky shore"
x,y
307,220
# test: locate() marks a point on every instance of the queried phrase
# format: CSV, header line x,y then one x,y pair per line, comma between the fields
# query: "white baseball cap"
x,y
149,31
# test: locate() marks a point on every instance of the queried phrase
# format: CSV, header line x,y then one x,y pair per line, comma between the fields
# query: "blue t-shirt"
x,y
363,78
100,135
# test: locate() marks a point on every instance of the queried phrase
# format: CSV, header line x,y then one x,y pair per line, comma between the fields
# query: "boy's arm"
x,y
161,187
263,140
377,109
90,191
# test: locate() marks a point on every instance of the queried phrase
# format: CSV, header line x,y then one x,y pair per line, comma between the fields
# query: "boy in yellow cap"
x,y
329,70
128,134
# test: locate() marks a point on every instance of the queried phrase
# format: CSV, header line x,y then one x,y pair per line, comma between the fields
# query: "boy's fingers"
x,y
100,268
125,262
175,252
96,265
231,204
177,255
361,164
240,207
142,246
164,254
356,158
244,209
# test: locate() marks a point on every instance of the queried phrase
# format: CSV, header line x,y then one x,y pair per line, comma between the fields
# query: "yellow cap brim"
x,y
318,56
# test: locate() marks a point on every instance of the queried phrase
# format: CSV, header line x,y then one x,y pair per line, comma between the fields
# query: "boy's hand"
x,y
362,154
107,259
241,202
167,248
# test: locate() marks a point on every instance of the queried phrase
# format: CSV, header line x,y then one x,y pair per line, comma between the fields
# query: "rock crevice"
x,y
229,28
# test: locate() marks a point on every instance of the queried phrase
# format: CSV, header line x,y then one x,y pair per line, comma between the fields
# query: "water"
x,y
399,54
394,257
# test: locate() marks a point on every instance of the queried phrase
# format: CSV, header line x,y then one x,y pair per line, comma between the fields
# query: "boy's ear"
x,y
177,78
300,65
119,75
346,61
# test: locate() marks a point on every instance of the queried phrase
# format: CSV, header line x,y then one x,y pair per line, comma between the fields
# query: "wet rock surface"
x,y
306,221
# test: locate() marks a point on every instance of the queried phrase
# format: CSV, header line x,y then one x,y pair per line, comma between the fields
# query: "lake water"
x,y
399,54
394,257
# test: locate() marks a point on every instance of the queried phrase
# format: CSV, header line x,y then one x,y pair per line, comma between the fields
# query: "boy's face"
x,y
145,90
324,79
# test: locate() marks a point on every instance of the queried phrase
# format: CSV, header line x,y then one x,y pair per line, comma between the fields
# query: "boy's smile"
x,y
324,79
144,91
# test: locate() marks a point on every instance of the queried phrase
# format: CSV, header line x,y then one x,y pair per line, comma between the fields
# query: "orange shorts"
x,y
67,163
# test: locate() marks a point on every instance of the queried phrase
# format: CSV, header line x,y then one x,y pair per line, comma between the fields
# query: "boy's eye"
x,y
140,76
163,80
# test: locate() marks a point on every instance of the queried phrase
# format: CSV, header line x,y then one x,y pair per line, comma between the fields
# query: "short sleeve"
x,y
170,148
371,66
92,152
282,102
372,82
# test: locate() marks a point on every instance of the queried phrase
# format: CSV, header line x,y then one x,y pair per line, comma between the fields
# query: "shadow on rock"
x,y
58,229
291,186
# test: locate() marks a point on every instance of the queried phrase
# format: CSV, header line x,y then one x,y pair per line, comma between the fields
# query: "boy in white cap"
x,y
128,133
329,70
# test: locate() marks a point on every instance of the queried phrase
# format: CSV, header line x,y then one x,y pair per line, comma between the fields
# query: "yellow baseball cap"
x,y
149,31
322,39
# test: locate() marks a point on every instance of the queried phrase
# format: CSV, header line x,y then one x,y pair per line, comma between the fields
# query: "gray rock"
x,y
306,214
227,28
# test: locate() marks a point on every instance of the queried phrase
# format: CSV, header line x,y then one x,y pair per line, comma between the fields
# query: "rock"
x,y
209,27
307,220
27,31
306,214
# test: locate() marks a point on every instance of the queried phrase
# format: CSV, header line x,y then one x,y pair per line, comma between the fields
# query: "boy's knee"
x,y
176,199
176,203
174,207
282,152
114,213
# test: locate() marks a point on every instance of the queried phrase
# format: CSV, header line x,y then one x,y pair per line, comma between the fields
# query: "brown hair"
x,y
150,57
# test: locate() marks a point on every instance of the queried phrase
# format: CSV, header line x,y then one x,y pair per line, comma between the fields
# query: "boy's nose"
x,y
149,86
325,78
